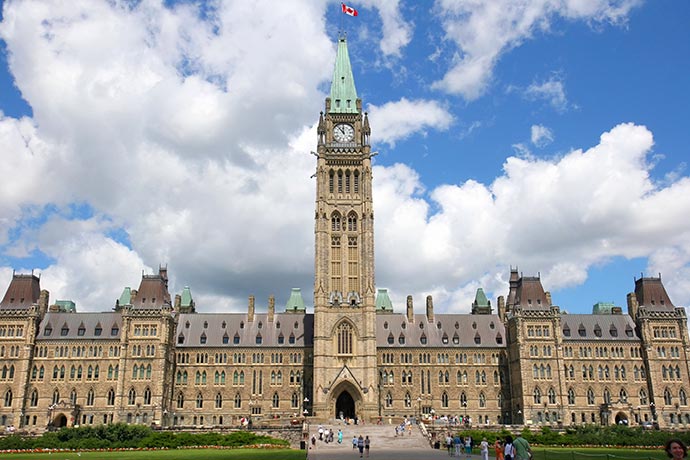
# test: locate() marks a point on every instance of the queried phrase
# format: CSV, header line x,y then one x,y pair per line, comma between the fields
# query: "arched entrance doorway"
x,y
345,405
621,419
60,421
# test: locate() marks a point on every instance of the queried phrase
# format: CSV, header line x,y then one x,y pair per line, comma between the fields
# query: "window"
x,y
132,398
219,401
344,337
199,401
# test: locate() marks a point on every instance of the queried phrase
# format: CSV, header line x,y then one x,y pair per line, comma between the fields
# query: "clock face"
x,y
343,133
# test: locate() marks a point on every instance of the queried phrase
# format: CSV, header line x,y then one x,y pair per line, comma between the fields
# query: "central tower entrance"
x,y
345,405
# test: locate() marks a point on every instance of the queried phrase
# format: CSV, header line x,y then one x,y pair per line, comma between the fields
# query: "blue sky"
x,y
550,135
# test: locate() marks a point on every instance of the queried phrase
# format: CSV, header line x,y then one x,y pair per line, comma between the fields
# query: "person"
x,y
508,449
458,445
340,436
498,449
468,446
522,449
320,433
354,441
313,440
676,449
484,449
360,446
449,444
367,444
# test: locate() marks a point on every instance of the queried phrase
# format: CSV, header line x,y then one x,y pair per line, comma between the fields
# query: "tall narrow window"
x,y
344,339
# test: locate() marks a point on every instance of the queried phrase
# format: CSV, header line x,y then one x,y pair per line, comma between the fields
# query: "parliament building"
x,y
154,359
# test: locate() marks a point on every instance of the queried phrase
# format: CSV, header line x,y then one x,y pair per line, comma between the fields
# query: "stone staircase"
x,y
382,438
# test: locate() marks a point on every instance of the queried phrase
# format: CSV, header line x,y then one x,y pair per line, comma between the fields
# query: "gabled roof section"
x,y
81,326
598,327
343,84
295,303
530,294
383,301
23,291
153,291
650,293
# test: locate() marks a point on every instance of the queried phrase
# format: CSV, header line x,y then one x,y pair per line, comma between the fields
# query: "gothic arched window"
x,y
344,335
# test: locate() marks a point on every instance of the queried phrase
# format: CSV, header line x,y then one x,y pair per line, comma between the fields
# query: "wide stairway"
x,y
383,438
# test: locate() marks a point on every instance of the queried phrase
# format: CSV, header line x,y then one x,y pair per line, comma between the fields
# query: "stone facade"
x,y
156,360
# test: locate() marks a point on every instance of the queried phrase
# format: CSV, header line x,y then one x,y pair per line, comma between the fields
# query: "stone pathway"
x,y
384,444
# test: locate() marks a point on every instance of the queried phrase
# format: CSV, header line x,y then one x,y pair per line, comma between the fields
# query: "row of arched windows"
x,y
343,181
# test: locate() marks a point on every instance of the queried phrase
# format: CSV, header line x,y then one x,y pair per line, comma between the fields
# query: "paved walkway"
x,y
384,444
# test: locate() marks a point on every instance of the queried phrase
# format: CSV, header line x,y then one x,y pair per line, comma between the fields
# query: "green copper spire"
x,y
343,92
295,303
383,302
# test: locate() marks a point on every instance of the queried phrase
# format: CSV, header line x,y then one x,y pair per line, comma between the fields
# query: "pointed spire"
x,y
343,92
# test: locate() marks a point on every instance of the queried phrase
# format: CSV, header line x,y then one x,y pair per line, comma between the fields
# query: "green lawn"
x,y
575,453
177,454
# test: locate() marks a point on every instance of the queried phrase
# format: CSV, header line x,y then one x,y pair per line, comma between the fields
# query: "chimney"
x,y
43,299
178,302
429,308
410,310
250,311
501,308
548,298
271,308
633,306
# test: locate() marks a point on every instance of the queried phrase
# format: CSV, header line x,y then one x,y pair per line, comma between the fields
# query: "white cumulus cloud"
x,y
541,135
397,120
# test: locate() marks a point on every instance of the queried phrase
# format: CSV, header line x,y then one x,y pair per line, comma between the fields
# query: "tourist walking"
x,y
468,446
508,449
484,449
449,444
354,441
498,449
522,449
340,436
360,446
367,444
458,445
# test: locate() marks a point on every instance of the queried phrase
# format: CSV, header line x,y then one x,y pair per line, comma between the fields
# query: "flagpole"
x,y
341,31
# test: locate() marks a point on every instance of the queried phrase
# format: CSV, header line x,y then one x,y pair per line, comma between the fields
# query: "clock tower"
x,y
345,372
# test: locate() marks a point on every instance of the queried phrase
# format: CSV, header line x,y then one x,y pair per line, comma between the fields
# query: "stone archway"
x,y
622,419
345,405
60,420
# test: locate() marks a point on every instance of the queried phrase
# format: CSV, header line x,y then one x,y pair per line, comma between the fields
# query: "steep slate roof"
x,y
530,294
23,291
76,321
191,327
465,327
152,292
611,327
343,84
650,293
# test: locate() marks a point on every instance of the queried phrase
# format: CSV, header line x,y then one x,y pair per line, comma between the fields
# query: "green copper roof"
x,y
186,300
343,92
295,302
602,308
66,306
480,298
126,297
383,302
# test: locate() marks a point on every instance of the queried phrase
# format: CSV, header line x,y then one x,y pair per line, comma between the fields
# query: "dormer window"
x,y
261,324
597,330
226,339
582,331
566,331
281,339
259,339
223,325
205,324
348,103
81,331
613,331
236,339
48,330
202,339
64,331
180,339
186,325
277,324
401,339
499,339
98,331
422,339
337,103
114,331
291,339
477,338
242,325
456,339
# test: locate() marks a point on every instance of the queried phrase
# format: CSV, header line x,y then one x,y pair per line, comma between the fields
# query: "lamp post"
x,y
464,416
432,412
519,417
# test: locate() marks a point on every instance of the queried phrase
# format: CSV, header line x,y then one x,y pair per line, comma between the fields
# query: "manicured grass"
x,y
596,453
176,454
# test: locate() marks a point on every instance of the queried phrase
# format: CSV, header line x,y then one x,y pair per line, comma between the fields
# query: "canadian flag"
x,y
349,10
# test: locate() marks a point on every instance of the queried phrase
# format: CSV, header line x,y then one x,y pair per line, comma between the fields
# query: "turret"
x,y
410,310
429,308
250,309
